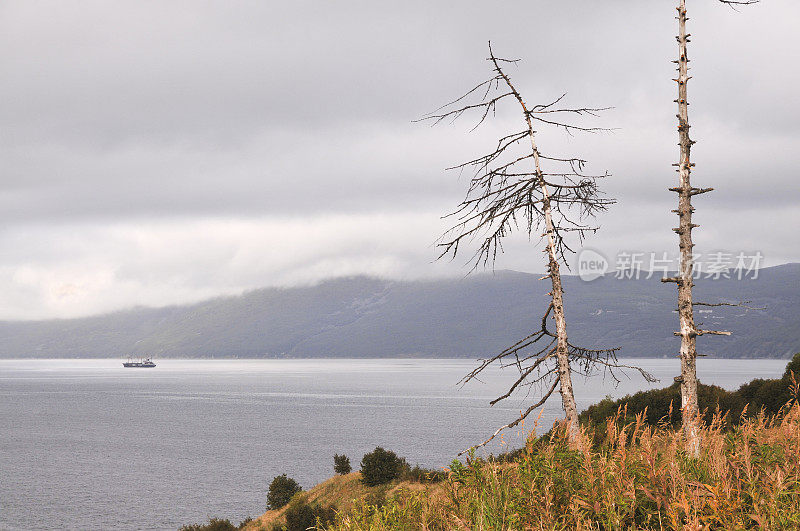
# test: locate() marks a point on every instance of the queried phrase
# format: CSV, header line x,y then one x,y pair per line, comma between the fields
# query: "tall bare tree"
x,y
688,330
509,188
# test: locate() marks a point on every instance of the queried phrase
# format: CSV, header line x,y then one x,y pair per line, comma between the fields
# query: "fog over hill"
x,y
472,317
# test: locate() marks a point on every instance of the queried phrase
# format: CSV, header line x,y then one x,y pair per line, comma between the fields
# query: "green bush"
x,y
341,464
214,524
301,516
281,491
422,475
380,466
792,367
376,498
664,405
217,524
770,395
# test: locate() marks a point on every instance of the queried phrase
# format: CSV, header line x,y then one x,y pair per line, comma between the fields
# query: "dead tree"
x,y
509,188
688,330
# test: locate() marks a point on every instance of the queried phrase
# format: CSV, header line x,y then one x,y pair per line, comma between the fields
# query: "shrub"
x,y
281,491
792,367
422,475
376,499
380,466
769,395
301,516
341,464
214,524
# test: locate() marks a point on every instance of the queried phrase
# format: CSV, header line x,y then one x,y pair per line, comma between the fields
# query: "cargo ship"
x,y
143,363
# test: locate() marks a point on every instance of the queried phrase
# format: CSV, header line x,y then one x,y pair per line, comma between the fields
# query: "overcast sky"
x,y
158,152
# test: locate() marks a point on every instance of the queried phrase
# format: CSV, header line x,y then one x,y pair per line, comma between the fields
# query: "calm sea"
x,y
86,444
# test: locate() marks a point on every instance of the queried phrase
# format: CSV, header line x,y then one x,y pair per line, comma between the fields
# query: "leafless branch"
x,y
743,304
522,416
537,366
733,3
502,198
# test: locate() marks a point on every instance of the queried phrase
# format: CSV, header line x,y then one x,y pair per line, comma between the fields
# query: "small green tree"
x,y
380,466
281,491
341,464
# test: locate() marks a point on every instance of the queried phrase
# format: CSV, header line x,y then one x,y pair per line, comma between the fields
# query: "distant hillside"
x,y
472,317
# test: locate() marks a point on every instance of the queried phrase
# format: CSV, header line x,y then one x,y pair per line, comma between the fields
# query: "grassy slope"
x,y
639,477
343,492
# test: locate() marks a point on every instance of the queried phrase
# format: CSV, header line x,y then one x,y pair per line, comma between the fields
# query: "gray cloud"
x,y
155,152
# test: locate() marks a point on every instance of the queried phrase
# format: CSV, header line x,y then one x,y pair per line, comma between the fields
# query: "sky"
x,y
162,152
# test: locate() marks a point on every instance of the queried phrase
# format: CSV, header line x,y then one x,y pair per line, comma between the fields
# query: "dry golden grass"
x,y
636,477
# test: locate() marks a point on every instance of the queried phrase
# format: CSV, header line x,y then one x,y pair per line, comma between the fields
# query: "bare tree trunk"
x,y
688,330
562,354
553,271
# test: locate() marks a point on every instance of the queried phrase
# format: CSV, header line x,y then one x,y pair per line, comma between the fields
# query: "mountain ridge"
x,y
476,316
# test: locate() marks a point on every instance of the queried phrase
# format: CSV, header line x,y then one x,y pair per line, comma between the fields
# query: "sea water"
x,y
87,444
